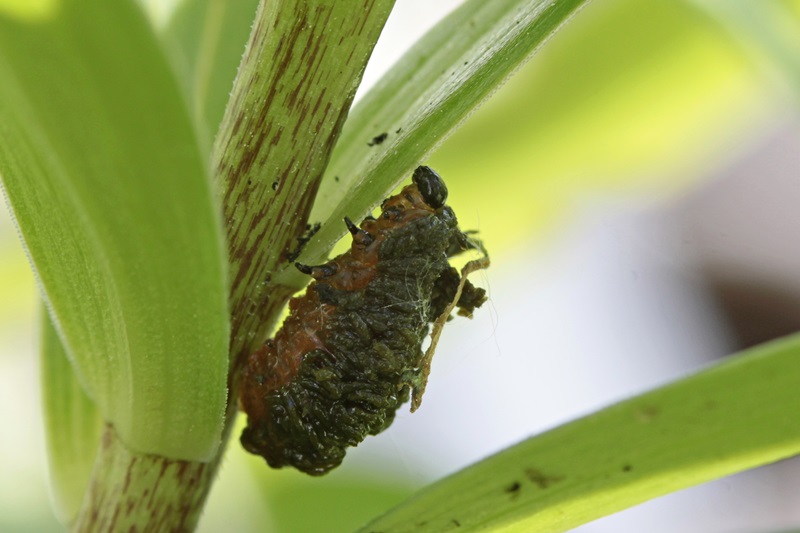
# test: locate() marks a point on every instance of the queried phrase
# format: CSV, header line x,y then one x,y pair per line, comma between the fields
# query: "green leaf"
x,y
72,425
737,415
770,31
514,163
112,197
423,98
205,40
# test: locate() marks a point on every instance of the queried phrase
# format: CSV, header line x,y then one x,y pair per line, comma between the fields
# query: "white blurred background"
x,y
637,186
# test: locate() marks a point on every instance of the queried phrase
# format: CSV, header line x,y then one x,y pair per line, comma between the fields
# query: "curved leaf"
x,y
72,425
698,429
422,99
112,197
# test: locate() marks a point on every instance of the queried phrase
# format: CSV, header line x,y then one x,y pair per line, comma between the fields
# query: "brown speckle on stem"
x,y
294,87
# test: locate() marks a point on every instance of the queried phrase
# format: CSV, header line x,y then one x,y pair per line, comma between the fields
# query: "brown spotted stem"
x,y
295,84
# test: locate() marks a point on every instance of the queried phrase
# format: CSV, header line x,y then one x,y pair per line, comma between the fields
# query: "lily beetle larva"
x,y
350,352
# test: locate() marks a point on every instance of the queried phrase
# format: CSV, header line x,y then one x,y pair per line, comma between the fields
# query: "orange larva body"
x,y
348,354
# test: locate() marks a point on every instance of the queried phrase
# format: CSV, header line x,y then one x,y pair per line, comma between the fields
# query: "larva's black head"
x,y
431,186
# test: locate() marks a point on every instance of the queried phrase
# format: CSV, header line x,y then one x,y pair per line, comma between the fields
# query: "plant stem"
x,y
297,79
135,492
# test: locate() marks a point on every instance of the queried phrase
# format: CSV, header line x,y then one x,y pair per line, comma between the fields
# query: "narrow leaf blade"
x,y
431,90
73,425
695,430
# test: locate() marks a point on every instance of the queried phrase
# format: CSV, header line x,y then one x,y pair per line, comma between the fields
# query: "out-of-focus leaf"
x,y
28,10
632,99
770,31
700,428
111,194
159,11
298,502
72,425
427,94
205,40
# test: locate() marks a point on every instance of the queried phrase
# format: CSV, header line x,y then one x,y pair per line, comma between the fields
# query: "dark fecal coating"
x,y
349,353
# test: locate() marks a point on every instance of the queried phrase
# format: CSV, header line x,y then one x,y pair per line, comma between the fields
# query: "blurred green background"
x,y
637,100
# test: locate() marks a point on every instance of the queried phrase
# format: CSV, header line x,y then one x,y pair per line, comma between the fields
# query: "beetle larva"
x,y
350,351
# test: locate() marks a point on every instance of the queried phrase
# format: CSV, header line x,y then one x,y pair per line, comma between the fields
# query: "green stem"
x,y
137,492
297,79
295,85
